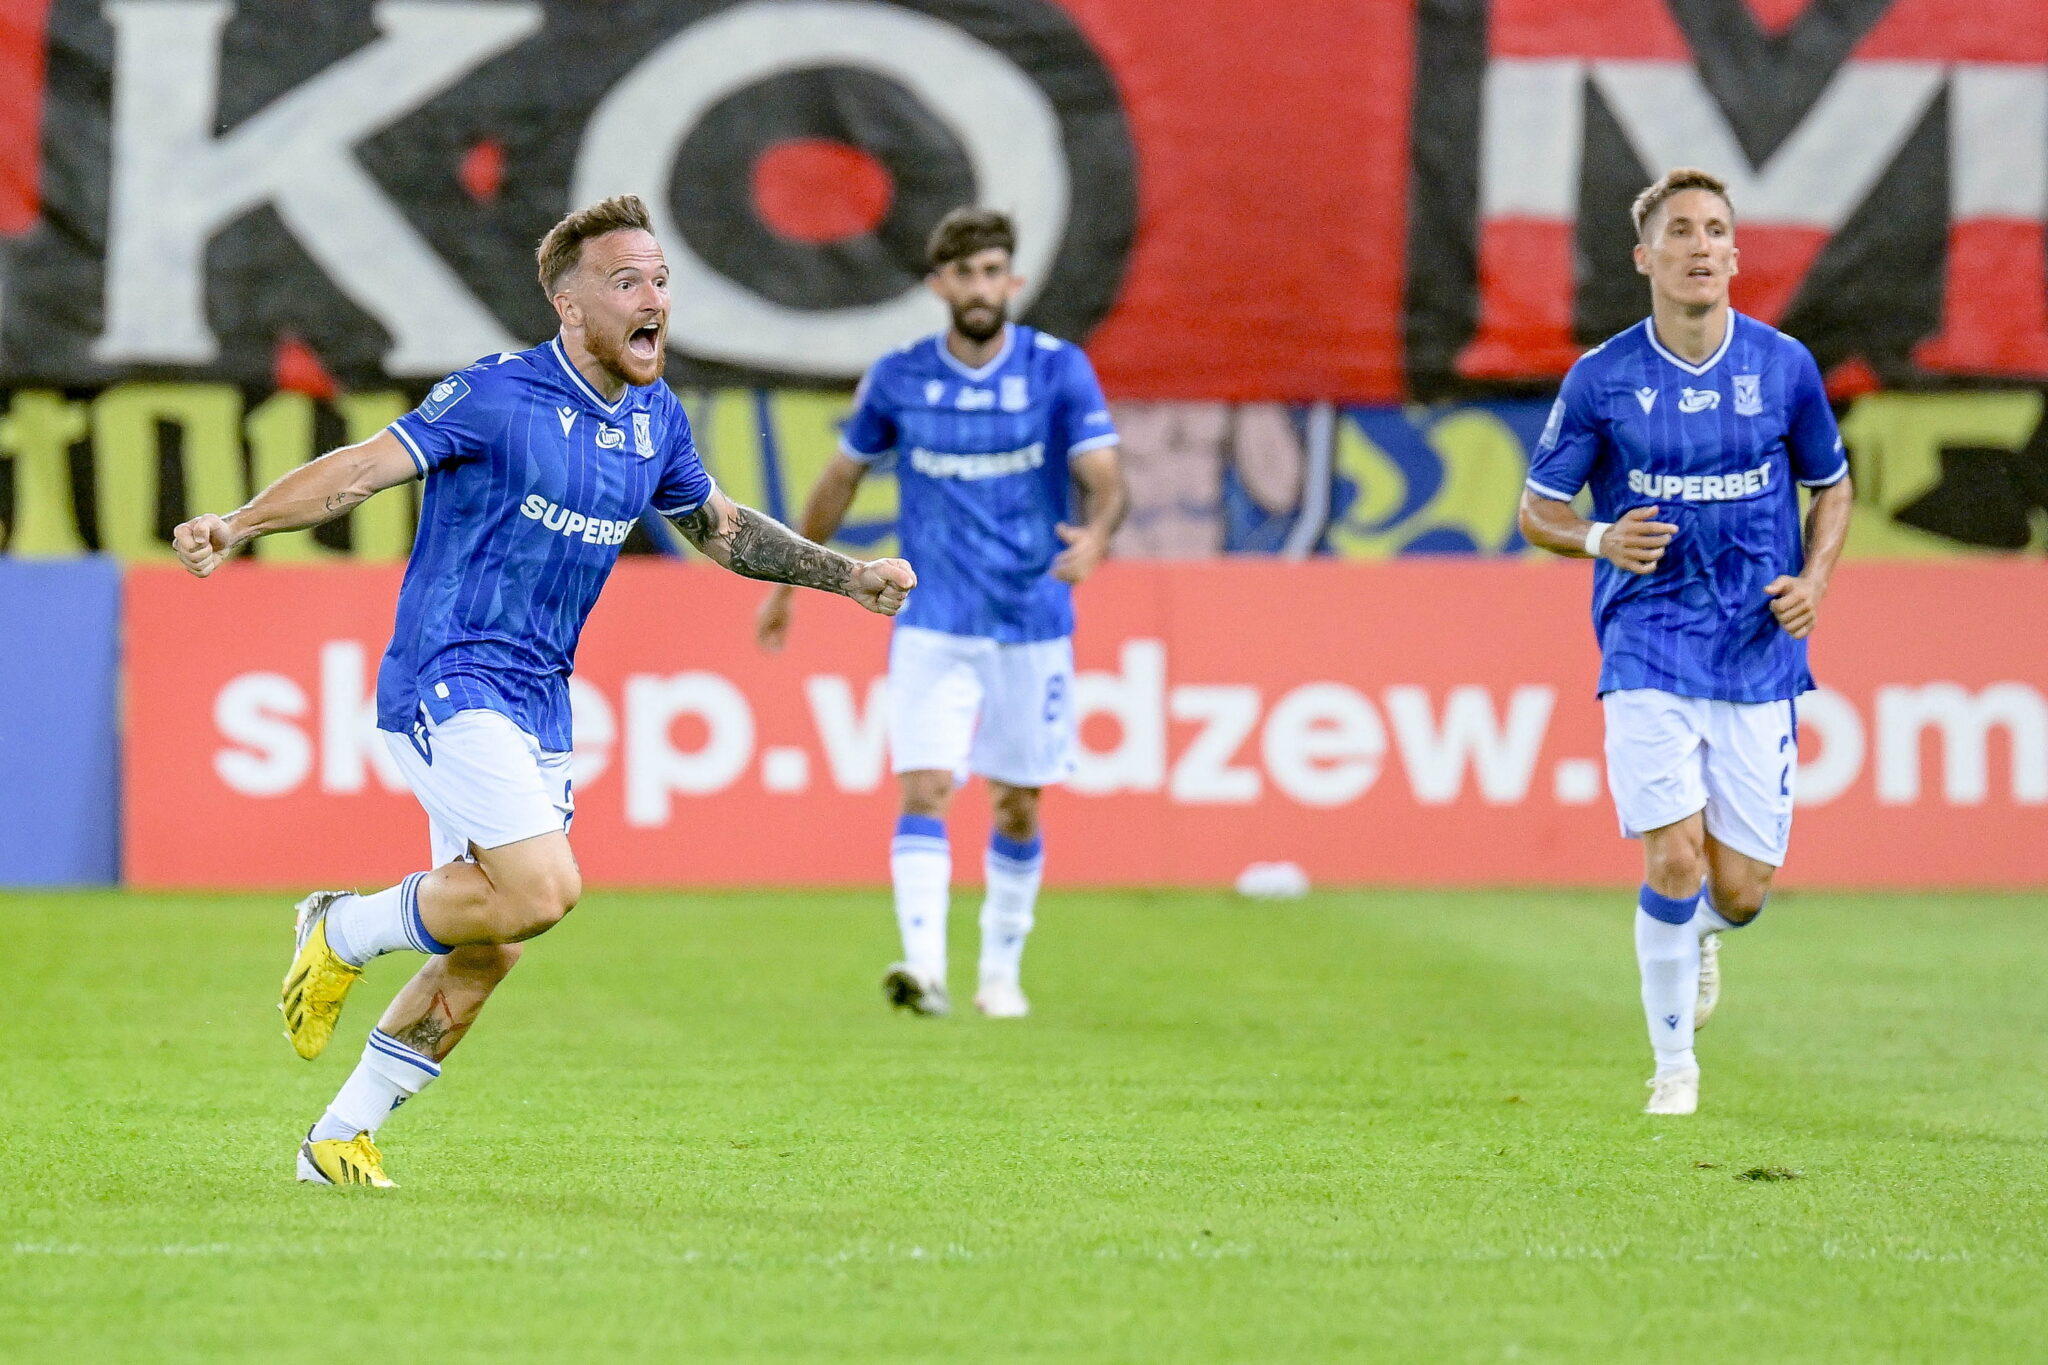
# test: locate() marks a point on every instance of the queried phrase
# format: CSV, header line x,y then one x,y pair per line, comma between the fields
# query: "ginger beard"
x,y
621,299
633,350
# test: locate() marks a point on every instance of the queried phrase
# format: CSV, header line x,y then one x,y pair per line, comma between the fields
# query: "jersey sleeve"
x,y
1081,419
871,432
1570,441
685,484
458,419
1814,441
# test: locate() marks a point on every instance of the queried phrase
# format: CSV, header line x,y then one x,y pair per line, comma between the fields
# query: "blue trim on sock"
x,y
391,1047
922,826
421,939
1670,909
1017,851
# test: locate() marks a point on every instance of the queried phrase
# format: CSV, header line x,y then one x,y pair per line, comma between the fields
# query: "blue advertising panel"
x,y
59,776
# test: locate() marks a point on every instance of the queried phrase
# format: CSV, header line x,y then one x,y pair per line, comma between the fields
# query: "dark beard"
x,y
976,333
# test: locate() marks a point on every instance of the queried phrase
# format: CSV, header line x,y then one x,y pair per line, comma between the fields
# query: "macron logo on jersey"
x,y
574,525
938,465
1700,487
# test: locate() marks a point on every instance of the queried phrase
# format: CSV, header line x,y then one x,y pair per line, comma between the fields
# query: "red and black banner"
x,y
1344,199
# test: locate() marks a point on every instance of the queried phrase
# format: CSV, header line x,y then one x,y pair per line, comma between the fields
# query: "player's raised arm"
x,y
1635,543
314,493
824,513
1107,499
758,546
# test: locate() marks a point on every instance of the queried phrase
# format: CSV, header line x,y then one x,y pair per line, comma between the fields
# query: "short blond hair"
x,y
562,249
1674,182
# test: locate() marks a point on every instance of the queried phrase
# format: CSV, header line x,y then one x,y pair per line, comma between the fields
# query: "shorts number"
x,y
1785,773
1055,698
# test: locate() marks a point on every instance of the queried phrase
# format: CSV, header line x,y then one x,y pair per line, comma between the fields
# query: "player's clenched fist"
x,y
1795,602
204,543
1636,542
881,585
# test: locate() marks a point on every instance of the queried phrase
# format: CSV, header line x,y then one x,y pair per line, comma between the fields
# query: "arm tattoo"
x,y
758,546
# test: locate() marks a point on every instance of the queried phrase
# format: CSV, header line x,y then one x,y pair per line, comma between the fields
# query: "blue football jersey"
x,y
533,482
1717,448
981,463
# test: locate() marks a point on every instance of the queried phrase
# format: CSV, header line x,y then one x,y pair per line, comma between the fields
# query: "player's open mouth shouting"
x,y
645,340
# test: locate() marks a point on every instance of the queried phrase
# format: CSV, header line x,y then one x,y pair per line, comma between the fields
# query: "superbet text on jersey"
x,y
982,464
1717,448
533,482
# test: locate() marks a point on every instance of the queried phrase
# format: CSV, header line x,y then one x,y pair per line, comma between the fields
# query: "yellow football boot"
x,y
343,1161
317,981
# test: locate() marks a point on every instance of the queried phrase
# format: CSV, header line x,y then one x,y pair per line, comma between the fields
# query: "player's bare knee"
x,y
541,902
1739,902
1016,813
1674,865
927,793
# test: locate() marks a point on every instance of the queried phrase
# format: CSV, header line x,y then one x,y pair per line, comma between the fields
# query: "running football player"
x,y
1695,429
1006,461
537,464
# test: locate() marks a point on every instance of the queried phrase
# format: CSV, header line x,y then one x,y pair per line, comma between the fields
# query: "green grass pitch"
x,y
1363,1126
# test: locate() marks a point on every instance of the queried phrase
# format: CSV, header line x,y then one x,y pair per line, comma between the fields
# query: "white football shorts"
x,y
1670,756
483,781
961,704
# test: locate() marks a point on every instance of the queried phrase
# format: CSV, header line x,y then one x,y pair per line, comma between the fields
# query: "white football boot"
x,y
1710,980
1001,999
1674,1092
907,990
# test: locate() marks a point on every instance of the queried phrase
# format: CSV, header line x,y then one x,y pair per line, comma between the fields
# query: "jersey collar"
x,y
1727,339
946,354
583,385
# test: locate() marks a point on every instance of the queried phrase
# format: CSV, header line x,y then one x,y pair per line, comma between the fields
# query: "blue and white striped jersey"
x,y
981,463
533,482
1717,448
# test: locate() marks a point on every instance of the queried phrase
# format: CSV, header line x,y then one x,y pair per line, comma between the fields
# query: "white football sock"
x,y
1708,920
363,927
1668,955
1014,870
921,870
389,1074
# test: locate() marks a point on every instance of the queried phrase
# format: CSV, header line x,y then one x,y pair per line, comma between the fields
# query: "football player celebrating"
x,y
537,464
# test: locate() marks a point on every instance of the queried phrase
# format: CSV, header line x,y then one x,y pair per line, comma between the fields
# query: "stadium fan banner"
x,y
1415,722
1937,473
1364,203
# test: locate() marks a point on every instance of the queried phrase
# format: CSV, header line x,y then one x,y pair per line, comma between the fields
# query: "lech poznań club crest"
x,y
1749,399
643,437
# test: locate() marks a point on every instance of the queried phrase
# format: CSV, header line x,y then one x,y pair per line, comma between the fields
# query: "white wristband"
x,y
1593,536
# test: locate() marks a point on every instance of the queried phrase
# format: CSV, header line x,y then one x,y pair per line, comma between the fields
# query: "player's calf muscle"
x,y
462,904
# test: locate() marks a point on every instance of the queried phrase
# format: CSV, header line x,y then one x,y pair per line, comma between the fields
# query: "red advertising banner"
x,y
1424,723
